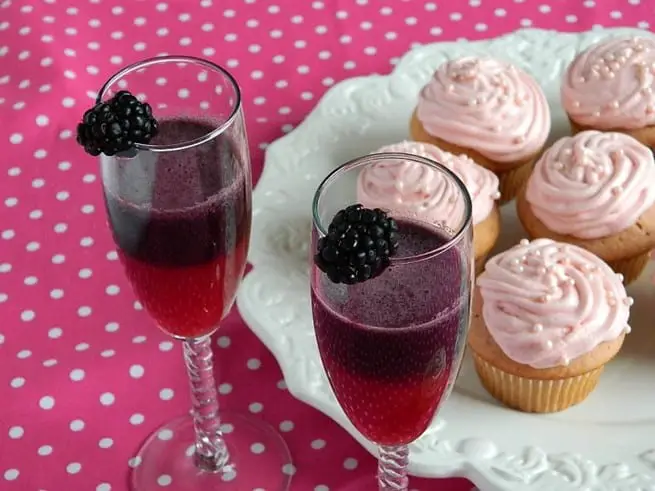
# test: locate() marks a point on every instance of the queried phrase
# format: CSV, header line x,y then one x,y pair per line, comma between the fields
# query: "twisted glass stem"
x,y
392,468
211,453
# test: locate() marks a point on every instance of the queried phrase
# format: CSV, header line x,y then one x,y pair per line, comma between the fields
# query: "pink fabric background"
x,y
84,375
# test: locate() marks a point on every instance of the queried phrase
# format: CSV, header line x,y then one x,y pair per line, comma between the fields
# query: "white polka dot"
x,y
82,346
47,402
86,241
22,354
44,450
136,371
38,183
11,474
183,93
571,19
73,467
105,442
76,425
615,14
256,74
112,255
166,394
134,461
165,346
87,209
589,3
254,363
42,120
5,267
207,27
64,166
350,464
164,480
16,138
112,290
137,419
107,399
224,341
321,487
56,293
77,374
16,432
481,27
55,332
49,363
137,305
318,444
108,353
84,311
257,448
544,9
225,388
526,22
14,171
455,16
103,487
286,426
300,43
68,102
27,315
31,280
8,234
256,407
139,339
32,246
85,273
289,469
165,434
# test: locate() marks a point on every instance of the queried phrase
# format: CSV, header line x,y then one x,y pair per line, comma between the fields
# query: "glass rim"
x,y
377,156
158,60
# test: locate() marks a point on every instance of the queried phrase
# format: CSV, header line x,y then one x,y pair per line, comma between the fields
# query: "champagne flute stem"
x,y
392,468
211,453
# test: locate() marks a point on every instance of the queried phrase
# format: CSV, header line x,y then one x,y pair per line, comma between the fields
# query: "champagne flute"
x,y
179,209
391,327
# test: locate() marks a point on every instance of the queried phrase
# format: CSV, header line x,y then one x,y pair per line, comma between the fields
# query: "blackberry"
x,y
114,126
358,245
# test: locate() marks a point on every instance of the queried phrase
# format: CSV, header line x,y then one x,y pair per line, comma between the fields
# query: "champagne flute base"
x,y
259,458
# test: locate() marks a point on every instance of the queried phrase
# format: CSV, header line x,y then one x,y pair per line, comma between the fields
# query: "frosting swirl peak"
x,y
547,303
487,105
592,185
409,187
610,84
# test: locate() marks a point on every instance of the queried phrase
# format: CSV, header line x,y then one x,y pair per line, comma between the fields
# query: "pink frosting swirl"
x,y
487,105
610,85
547,303
592,185
408,187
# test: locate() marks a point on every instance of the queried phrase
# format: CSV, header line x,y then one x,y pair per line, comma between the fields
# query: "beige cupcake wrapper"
x,y
631,267
532,395
480,263
511,182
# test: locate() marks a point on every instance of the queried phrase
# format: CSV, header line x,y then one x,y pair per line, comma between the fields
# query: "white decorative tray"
x,y
607,443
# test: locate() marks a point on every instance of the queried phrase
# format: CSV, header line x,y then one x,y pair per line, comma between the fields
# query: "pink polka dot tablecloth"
x,y
84,374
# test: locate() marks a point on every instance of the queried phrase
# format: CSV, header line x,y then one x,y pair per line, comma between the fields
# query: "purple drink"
x,y
181,222
390,344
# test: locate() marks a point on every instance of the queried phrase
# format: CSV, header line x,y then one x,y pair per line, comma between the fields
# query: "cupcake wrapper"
x,y
631,267
532,395
479,263
512,181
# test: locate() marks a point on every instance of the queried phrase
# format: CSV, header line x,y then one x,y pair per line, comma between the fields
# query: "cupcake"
x,y
609,87
488,109
410,189
547,317
595,190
